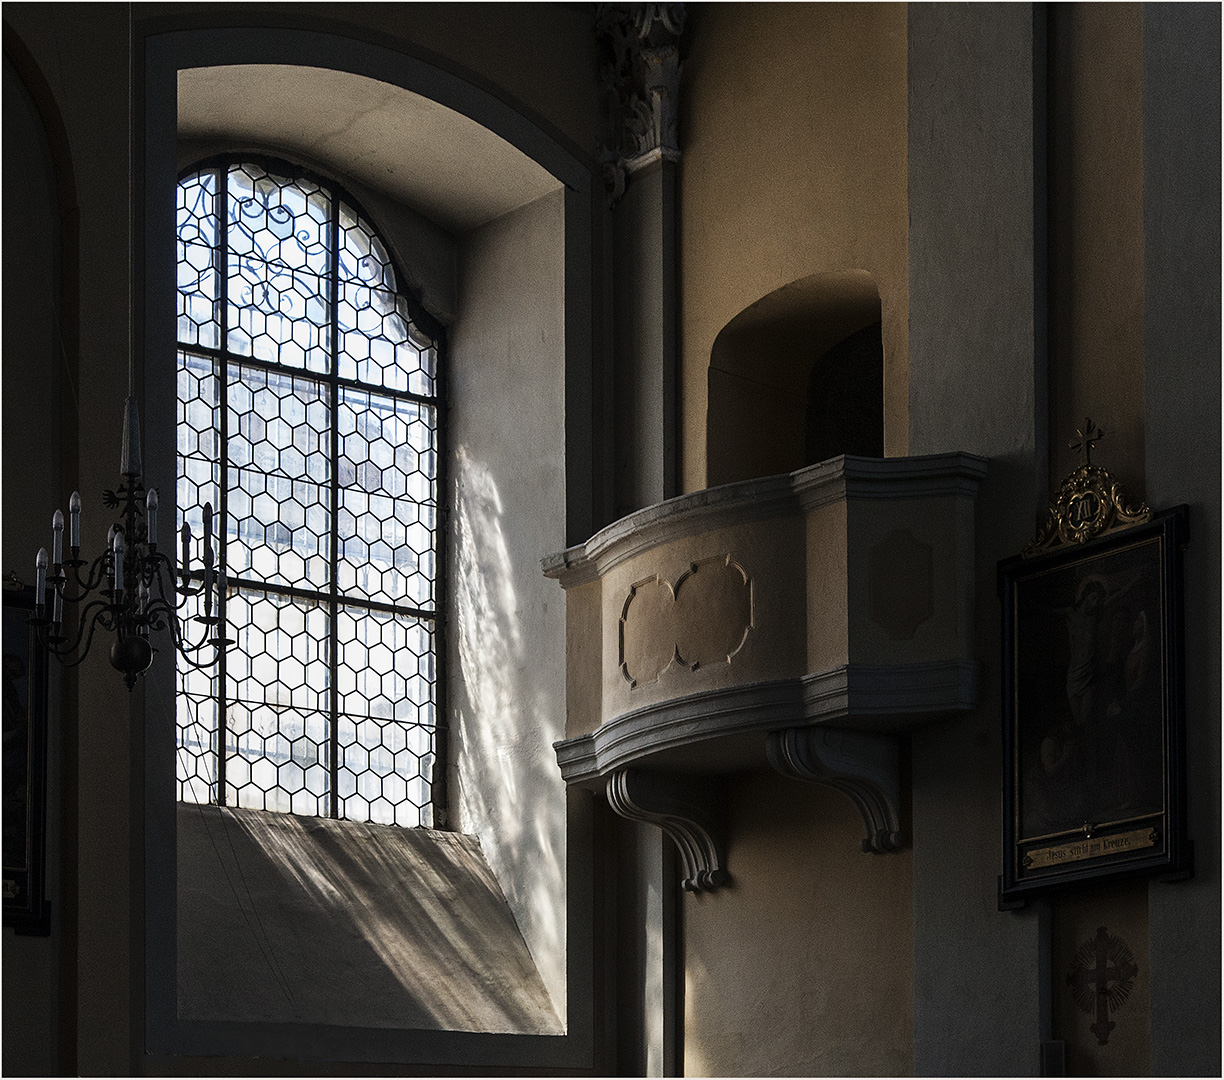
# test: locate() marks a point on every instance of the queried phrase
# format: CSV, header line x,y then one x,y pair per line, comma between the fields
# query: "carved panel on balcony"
x,y
689,809
862,765
902,584
703,619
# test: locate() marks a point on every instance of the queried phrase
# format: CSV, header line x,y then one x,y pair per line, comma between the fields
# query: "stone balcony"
x,y
801,619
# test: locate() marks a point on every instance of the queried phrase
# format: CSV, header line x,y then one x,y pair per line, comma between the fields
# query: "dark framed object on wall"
x,y
1094,761
25,768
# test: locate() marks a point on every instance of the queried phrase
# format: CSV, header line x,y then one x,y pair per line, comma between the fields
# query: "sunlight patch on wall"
x,y
503,720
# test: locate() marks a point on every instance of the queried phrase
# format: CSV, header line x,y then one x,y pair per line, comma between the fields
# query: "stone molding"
x,y
864,766
832,481
690,809
891,698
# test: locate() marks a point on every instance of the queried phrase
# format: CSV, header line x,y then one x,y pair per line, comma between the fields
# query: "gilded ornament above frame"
x,y
1089,503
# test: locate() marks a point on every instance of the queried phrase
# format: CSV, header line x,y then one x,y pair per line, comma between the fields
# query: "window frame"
x,y
338,193
165,46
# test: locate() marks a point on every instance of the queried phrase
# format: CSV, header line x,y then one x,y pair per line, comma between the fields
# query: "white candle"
x,y
57,538
74,510
58,608
151,507
120,550
40,577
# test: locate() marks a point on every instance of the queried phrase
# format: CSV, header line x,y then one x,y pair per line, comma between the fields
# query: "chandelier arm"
x,y
159,561
159,615
199,665
86,620
156,562
97,572
182,642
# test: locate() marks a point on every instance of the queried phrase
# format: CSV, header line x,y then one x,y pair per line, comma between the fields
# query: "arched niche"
x,y
773,357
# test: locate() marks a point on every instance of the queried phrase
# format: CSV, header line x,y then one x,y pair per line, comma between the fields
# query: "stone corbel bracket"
x,y
862,765
689,809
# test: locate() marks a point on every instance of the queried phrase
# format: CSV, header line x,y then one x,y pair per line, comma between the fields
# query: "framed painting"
x,y
1093,710
25,767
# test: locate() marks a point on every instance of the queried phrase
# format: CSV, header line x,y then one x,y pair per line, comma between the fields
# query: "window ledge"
x,y
286,919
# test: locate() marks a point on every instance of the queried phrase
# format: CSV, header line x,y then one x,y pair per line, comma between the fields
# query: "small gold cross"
x,y
1089,435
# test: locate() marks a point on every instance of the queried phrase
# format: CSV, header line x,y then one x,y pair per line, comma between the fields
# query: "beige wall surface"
x,y
1096,236
793,134
803,965
541,56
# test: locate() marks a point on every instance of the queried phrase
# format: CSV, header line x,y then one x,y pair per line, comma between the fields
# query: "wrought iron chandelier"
x,y
131,589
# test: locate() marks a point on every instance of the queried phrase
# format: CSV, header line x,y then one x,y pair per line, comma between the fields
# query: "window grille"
x,y
308,416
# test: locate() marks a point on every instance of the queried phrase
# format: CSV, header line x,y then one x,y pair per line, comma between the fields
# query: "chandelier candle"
x,y
74,529
57,539
40,578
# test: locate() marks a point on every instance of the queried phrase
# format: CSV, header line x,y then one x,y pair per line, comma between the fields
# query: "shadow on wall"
x,y
798,373
505,716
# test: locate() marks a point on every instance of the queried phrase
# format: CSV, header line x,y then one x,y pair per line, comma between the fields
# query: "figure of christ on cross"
x,y
1112,963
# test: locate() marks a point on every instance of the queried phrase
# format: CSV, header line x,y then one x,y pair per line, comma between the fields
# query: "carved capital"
x,y
862,765
687,808
640,75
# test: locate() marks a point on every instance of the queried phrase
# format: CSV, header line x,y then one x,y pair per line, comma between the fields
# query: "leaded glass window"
x,y
308,417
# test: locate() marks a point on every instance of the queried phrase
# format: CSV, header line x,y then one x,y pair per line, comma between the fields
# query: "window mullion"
x,y
334,532
222,464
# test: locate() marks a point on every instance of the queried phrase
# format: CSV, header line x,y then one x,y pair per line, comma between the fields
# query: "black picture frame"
x,y
24,666
1093,711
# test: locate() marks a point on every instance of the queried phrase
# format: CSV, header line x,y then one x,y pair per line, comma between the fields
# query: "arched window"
x,y
309,418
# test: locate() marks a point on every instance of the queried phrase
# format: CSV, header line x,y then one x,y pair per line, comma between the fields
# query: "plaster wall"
x,y
1181,267
1096,369
973,386
82,52
802,965
541,56
506,647
1096,236
793,132
31,398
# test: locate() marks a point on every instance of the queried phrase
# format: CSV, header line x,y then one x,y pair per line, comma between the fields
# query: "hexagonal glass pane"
x,y
388,519
262,439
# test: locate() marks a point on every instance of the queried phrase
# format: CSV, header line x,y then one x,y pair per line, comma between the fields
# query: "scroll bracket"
x,y
864,766
688,808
